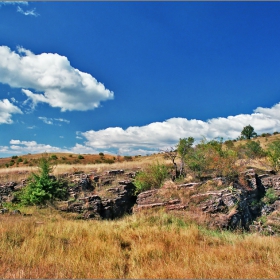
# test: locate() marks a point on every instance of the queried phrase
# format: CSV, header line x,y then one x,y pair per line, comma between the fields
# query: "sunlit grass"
x,y
144,245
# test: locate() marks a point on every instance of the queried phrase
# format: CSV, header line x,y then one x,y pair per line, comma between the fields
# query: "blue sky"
x,y
133,77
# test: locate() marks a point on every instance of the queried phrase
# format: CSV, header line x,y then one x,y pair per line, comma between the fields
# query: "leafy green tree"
x,y
41,186
183,148
248,132
273,154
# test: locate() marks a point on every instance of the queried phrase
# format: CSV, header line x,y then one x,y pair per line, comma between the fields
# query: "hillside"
x,y
108,227
64,159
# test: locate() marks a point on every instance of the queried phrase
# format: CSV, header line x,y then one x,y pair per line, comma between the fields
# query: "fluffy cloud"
x,y
53,80
156,136
161,135
24,147
82,149
18,147
6,111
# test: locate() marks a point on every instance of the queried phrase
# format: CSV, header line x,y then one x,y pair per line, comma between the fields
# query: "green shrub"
x,y
53,157
210,159
229,144
128,158
197,161
80,157
153,177
273,154
42,187
101,154
270,196
14,157
253,149
19,160
109,160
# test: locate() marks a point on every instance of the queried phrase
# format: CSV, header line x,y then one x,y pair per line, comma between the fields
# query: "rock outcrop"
x,y
6,192
121,201
235,206
249,203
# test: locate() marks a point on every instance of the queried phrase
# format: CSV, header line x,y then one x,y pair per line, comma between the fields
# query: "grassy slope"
x,y
146,245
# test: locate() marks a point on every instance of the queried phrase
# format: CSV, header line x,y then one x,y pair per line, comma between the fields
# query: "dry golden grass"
x,y
22,172
146,245
264,141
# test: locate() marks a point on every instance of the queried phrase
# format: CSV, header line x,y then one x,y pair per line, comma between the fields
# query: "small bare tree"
x,y
172,154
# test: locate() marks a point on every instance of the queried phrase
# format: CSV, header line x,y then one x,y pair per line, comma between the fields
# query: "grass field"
x,y
146,245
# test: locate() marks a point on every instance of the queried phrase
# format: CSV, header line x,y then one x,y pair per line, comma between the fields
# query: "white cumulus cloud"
x,y
161,135
52,80
157,136
17,147
24,147
6,111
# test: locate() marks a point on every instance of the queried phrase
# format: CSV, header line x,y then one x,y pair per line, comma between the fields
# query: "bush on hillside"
x,y
152,178
210,158
42,187
273,154
128,158
53,157
253,149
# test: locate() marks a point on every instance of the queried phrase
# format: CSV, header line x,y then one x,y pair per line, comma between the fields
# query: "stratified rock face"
x,y
236,205
269,181
94,207
225,205
149,199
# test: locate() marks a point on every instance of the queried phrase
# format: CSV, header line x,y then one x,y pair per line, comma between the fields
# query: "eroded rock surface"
x,y
237,205
250,203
